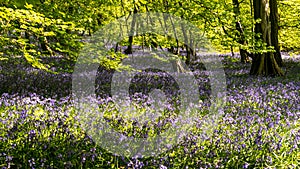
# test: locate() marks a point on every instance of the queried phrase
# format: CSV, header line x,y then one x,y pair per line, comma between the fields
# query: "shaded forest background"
x,y
37,28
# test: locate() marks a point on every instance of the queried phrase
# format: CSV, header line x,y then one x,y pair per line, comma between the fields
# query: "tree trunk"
x,y
265,63
244,54
192,46
176,38
129,47
274,30
178,66
186,44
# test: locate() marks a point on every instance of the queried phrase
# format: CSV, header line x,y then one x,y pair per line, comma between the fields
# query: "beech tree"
x,y
242,41
267,63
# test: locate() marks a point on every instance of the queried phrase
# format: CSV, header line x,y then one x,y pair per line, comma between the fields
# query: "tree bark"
x,y
243,53
130,39
274,30
186,44
176,38
265,63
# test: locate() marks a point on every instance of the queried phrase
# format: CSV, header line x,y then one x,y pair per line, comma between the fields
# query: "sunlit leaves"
x,y
31,34
289,24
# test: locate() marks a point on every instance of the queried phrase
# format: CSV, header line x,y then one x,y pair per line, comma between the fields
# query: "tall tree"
x,y
268,63
132,28
274,30
242,41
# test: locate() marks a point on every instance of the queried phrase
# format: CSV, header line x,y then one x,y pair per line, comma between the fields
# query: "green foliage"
x,y
289,33
25,33
86,14
51,22
33,28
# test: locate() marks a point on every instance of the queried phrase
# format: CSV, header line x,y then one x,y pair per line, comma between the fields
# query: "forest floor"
x,y
259,128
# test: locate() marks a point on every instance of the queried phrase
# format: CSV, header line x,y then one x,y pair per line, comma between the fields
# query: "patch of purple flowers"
x,y
260,127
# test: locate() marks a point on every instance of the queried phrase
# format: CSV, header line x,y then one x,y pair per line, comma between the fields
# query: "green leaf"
x,y
28,6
